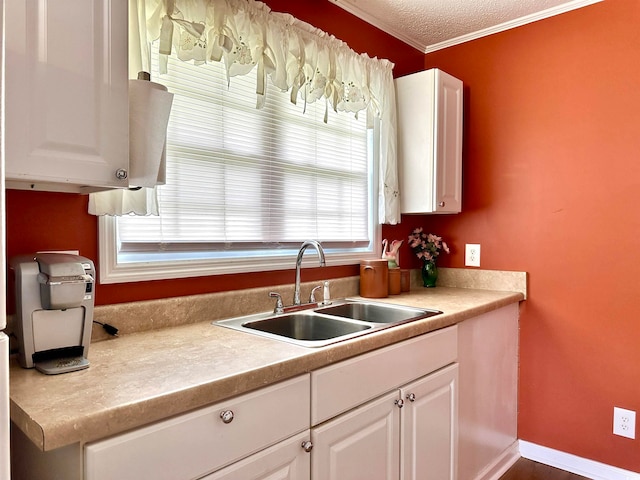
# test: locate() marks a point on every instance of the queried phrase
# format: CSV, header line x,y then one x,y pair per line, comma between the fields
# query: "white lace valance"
x,y
295,56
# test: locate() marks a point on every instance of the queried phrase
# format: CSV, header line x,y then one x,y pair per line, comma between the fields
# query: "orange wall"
x,y
552,187
551,184
46,221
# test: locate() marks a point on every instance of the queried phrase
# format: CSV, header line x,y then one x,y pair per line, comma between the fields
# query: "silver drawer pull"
x,y
411,397
399,403
226,416
307,446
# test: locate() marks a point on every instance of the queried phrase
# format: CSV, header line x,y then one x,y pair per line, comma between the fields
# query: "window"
x,y
246,187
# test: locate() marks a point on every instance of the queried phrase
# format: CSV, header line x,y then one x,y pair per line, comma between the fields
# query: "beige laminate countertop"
x,y
144,377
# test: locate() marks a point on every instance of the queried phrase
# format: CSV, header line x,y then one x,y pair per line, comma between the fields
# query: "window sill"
x,y
113,272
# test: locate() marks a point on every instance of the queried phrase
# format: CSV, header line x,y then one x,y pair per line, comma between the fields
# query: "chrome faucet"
x,y
305,245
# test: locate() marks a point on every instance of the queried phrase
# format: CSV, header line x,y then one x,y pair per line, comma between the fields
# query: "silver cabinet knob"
x,y
307,446
121,174
441,204
399,403
226,416
411,397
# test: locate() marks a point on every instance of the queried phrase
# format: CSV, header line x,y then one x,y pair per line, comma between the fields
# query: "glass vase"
x,y
429,274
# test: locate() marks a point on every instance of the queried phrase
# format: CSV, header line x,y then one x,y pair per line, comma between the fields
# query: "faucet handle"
x,y
312,297
279,308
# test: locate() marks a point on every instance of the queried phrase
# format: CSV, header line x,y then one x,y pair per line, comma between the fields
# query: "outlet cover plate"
x,y
624,422
472,255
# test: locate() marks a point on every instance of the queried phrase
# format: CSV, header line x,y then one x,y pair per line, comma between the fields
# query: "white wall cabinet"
x,y
66,98
430,109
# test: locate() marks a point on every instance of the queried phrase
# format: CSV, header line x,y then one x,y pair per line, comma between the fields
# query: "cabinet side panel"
x,y
488,361
28,462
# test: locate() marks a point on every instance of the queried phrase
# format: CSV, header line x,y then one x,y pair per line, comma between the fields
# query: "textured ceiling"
x,y
429,25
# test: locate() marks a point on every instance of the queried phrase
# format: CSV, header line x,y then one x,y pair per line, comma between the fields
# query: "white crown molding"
x,y
574,464
378,23
518,22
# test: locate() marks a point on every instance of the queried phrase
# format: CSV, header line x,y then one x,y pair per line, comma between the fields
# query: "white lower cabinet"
x,y
440,406
389,414
408,433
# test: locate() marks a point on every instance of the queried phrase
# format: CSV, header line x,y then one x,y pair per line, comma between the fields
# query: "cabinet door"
x,y
448,131
66,93
285,461
430,427
361,444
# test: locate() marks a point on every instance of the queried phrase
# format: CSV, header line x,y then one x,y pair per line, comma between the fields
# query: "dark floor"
x,y
525,469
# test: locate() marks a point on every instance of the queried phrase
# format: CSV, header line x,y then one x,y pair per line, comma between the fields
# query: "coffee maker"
x,y
54,311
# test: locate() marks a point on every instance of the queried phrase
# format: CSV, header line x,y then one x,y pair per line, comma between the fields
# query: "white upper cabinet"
x,y
430,107
66,108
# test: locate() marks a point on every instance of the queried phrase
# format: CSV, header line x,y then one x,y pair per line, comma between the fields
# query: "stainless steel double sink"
x,y
324,325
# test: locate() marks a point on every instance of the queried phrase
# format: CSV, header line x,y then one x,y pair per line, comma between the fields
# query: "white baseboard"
x,y
501,464
574,464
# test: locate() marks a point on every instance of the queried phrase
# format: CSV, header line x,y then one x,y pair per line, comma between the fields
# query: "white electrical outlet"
x,y
624,422
472,255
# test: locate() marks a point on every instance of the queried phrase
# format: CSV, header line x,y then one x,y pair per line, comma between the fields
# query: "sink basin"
x,y
306,326
321,326
377,313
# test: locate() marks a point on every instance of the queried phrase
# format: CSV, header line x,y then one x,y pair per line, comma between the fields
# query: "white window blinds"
x,y
277,49
241,180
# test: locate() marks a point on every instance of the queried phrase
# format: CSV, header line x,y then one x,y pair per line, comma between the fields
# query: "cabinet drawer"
x,y
344,385
193,444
